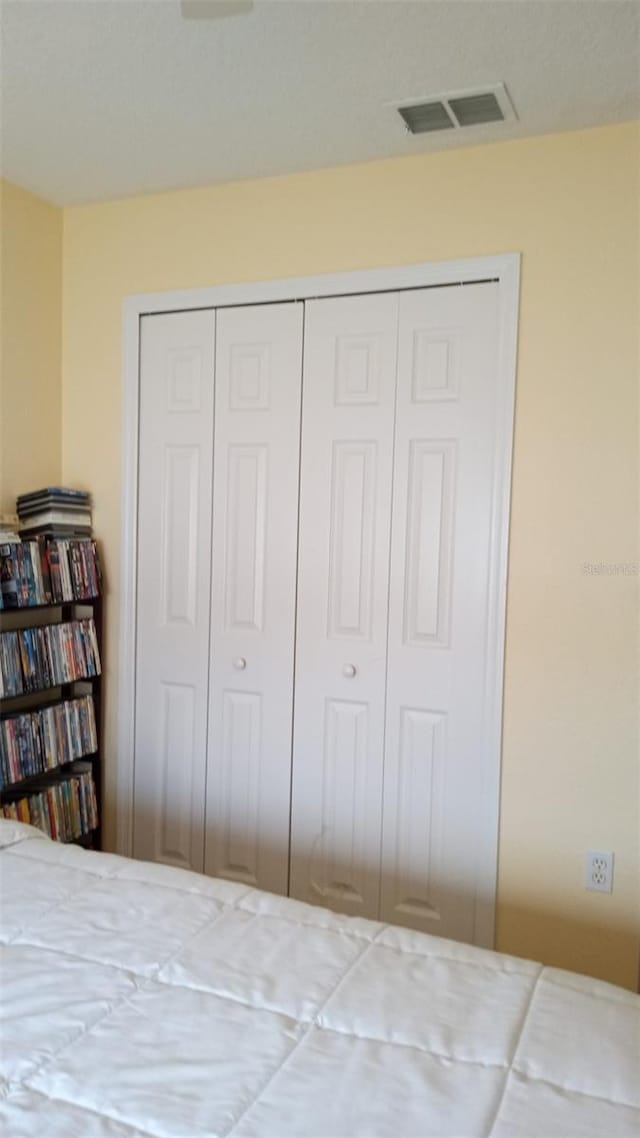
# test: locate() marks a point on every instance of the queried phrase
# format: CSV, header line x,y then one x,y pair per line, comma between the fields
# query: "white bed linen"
x,y
140,1000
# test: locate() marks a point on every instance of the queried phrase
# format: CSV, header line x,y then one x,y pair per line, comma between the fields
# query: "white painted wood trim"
x,y
128,561
505,269
487,880
329,284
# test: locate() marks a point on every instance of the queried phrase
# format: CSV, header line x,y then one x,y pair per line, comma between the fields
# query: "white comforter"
x,y
143,1000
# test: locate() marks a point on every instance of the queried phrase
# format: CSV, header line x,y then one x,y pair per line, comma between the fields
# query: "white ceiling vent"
x,y
457,109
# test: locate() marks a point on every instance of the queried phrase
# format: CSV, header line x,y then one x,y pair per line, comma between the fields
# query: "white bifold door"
x,y
174,553
396,567
219,408
255,521
319,552
440,596
341,654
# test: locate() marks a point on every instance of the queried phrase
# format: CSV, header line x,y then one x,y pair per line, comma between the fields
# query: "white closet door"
x,y
174,542
441,577
347,444
255,517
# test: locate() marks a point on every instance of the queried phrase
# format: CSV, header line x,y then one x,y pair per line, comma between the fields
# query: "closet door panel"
x,y
347,445
174,538
254,553
440,593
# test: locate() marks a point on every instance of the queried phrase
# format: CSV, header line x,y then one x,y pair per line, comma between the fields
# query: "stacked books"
x,y
33,742
34,659
55,511
65,809
48,570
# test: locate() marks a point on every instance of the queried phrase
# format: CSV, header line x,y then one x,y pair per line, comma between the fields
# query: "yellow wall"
x,y
30,343
569,203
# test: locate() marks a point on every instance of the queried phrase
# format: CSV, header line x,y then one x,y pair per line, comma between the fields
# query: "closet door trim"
x,y
505,270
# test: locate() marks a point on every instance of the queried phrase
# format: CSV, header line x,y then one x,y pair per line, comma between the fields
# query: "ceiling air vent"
x,y
457,109
425,117
474,109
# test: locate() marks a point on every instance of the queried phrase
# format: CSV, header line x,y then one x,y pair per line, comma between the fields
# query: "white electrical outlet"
x,y
599,871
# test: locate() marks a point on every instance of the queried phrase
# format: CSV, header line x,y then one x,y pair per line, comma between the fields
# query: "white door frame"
x,y
505,270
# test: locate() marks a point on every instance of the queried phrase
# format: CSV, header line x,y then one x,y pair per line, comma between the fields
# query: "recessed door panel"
x,y
345,512
414,800
246,511
242,757
351,537
176,778
180,538
429,552
339,862
253,557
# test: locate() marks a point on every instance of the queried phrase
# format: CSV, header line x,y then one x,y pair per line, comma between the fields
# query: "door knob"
x,y
240,663
349,670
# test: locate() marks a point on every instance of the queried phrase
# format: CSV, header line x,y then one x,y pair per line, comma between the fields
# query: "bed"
x,y
142,1001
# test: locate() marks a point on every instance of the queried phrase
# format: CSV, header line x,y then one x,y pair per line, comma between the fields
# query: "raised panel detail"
x,y
357,369
338,862
435,365
249,377
184,379
351,557
180,535
429,556
240,764
174,818
420,813
246,507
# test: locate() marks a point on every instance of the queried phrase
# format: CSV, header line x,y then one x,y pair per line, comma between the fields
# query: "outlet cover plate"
x,y
599,871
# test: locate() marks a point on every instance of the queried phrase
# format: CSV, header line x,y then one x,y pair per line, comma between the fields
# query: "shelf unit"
x,y
41,616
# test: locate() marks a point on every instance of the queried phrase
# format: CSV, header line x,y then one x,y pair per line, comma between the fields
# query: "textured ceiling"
x,y
107,98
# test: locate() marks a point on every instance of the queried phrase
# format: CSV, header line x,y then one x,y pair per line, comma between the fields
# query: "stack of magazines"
x,y
55,511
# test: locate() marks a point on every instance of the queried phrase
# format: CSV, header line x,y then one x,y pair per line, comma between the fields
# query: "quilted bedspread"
x,y
141,1000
